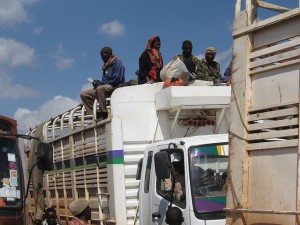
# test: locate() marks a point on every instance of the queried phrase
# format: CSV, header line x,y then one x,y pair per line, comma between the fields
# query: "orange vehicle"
x,y
12,183
12,209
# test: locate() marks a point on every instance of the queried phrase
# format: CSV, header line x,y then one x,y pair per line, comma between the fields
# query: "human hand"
x,y
94,83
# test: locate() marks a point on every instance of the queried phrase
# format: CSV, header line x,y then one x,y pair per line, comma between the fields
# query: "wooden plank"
x,y
260,211
278,58
273,114
273,124
272,7
274,35
266,107
278,19
277,66
276,48
272,145
238,6
273,134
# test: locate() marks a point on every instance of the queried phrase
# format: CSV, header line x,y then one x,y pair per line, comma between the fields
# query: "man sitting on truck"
x,y
210,69
113,75
191,62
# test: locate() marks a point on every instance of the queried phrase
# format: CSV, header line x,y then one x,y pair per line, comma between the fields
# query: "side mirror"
x,y
45,156
139,169
162,165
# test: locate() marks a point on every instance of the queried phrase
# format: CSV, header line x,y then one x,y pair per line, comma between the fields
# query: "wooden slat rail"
x,y
275,49
263,211
274,67
273,114
253,110
276,58
273,124
272,145
272,7
273,134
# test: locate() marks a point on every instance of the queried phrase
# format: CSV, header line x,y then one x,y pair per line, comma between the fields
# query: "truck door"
x,y
162,193
145,189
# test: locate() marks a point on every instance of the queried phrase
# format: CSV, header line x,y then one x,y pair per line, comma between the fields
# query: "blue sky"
x,y
48,48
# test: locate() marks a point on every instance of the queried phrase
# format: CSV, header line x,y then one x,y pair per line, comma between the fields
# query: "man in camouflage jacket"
x,y
209,69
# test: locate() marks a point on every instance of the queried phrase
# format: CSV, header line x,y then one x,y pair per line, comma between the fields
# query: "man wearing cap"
x,y
81,211
210,69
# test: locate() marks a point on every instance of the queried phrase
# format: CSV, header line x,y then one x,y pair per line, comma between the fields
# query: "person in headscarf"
x,y
210,69
150,62
191,62
113,74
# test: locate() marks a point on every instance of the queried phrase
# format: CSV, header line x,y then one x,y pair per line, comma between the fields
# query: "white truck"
x,y
200,192
264,182
98,160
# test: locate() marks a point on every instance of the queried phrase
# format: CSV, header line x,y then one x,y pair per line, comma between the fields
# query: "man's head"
x,y
174,216
187,48
50,215
81,209
210,54
106,53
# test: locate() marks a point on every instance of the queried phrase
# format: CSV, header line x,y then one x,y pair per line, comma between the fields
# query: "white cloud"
x,y
229,25
31,118
86,87
63,62
224,59
38,30
200,56
13,12
224,56
83,55
13,53
113,29
11,90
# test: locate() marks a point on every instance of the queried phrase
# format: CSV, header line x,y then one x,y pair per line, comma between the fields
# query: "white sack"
x,y
177,69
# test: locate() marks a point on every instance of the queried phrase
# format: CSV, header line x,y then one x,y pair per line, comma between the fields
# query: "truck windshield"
x,y
10,177
208,169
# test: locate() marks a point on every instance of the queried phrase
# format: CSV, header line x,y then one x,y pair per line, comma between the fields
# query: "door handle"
x,y
156,215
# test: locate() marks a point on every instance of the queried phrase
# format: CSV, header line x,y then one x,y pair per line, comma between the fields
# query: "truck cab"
x,y
12,210
199,167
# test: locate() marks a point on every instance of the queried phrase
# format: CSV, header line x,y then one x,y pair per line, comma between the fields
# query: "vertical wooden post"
x,y
238,6
251,8
298,163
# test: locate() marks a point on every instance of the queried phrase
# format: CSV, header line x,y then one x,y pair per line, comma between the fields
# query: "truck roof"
x,y
198,140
